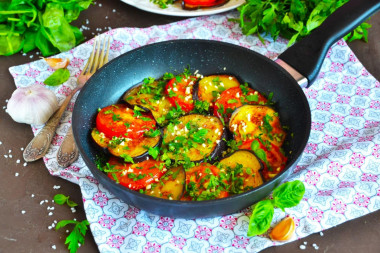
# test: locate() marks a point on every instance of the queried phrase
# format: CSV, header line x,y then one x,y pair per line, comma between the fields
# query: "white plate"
x,y
176,9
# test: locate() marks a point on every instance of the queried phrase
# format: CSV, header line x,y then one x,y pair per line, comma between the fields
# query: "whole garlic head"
x,y
32,105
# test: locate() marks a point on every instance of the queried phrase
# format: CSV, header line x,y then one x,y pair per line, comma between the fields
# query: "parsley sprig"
x,y
291,19
62,199
76,237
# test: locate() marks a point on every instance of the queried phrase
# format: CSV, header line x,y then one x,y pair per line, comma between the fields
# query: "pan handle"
x,y
306,57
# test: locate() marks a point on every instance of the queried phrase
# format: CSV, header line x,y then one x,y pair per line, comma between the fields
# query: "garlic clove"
x,y
57,63
284,230
32,105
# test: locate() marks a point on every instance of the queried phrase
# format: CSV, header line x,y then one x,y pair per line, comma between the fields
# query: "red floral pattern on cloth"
x,y
340,164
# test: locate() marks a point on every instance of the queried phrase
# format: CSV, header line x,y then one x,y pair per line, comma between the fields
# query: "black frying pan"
x,y
302,60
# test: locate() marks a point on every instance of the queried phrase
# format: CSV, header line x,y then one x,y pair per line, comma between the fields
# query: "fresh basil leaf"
x,y
56,27
261,218
29,42
58,77
44,45
288,194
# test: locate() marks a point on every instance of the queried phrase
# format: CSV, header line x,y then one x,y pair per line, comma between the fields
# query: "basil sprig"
x,y
58,77
286,195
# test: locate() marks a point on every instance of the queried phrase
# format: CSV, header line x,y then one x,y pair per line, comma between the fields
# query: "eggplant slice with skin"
x,y
249,122
137,149
210,87
247,167
158,106
170,186
194,137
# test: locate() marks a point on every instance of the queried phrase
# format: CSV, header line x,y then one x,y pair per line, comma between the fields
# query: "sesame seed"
x,y
23,212
16,174
50,213
321,233
56,187
32,195
303,247
54,247
18,161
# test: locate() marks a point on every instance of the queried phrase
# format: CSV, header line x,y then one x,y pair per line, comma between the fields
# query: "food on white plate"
x,y
32,104
190,4
196,4
175,137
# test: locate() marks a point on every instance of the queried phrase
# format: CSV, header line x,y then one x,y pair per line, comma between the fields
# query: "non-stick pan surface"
x,y
107,86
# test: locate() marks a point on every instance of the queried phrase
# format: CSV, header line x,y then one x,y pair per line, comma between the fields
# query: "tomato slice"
x,y
203,3
119,121
179,92
276,159
200,183
233,98
136,176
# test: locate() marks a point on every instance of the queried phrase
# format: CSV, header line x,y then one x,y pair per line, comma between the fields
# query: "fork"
x,y
68,151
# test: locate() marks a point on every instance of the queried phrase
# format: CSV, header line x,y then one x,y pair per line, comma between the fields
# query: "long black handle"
x,y
307,55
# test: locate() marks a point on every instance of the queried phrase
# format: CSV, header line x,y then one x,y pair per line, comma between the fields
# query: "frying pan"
x,y
297,66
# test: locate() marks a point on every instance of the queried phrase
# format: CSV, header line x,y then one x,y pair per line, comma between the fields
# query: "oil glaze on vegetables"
x,y
185,137
32,105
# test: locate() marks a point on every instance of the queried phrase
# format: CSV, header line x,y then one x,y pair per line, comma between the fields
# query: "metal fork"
x,y
68,151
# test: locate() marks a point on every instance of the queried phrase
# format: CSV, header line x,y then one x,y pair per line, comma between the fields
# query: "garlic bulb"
x,y
32,105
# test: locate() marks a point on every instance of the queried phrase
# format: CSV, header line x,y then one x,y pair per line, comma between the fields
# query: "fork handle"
x,y
40,144
68,151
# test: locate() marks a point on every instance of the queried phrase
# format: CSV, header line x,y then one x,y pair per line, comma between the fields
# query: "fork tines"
x,y
99,54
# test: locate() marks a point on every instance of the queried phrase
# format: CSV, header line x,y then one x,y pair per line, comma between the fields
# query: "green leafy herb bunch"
x,y
292,19
45,24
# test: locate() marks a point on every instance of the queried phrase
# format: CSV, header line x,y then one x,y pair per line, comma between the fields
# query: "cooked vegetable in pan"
x,y
191,137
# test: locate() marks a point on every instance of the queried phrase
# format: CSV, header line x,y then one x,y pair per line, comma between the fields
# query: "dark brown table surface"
x,y
29,232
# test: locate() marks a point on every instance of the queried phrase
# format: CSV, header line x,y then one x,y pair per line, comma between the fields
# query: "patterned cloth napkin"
x,y
340,165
